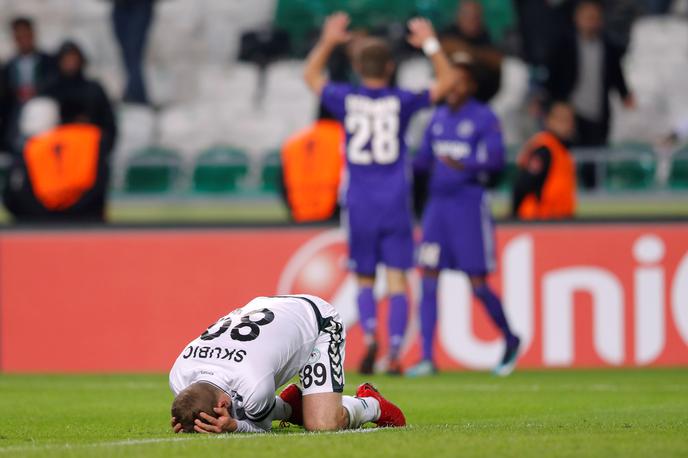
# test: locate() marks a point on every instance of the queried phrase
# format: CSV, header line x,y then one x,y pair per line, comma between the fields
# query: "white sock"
x,y
361,410
281,411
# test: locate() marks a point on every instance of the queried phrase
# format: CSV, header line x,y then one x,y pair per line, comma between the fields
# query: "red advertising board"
x,y
589,295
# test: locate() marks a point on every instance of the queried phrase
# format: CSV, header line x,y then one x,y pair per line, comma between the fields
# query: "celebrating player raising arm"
x,y
335,32
377,203
462,145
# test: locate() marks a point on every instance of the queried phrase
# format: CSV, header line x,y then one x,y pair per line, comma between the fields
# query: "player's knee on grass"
x,y
190,402
324,412
396,281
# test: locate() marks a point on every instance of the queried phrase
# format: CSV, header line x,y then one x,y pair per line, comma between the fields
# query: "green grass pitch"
x,y
625,413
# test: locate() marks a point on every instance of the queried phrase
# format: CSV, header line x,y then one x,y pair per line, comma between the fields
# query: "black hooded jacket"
x,y
82,99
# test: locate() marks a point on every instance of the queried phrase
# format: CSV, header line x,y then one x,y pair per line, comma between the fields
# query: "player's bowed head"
x,y
202,408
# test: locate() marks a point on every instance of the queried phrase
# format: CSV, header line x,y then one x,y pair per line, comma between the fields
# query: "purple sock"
x,y
428,315
398,317
367,311
494,308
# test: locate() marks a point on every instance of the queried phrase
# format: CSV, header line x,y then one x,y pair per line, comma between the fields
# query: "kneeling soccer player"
x,y
225,380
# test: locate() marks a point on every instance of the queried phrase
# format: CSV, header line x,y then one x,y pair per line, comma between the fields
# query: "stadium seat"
x,y
631,174
655,67
510,101
186,128
301,17
415,74
219,169
5,162
678,178
499,17
504,180
287,97
152,170
257,130
271,172
234,84
136,131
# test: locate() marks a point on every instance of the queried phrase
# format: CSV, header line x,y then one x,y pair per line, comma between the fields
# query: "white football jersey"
x,y
254,350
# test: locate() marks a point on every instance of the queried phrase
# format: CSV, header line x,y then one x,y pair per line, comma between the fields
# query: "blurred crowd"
x,y
49,112
573,48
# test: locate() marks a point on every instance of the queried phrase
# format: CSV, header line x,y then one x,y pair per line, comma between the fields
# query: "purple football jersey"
x,y
375,121
458,230
470,135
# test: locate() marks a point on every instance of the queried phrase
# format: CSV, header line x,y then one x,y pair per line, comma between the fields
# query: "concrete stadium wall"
x,y
120,300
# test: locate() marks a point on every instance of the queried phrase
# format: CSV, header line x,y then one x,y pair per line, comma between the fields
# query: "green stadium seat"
x,y
271,172
631,174
500,16
678,178
219,169
5,163
300,18
152,170
508,177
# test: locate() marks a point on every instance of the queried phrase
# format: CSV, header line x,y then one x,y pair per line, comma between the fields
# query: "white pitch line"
x,y
156,440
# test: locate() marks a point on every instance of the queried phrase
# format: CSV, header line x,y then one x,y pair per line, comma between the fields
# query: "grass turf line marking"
x,y
156,440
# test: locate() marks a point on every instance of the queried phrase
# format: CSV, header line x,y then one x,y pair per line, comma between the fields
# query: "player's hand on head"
x,y
176,426
224,423
420,29
335,29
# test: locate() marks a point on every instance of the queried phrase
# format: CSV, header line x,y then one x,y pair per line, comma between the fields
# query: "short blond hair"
x,y
373,57
190,402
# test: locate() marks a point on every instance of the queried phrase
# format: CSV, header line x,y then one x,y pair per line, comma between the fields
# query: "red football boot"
x,y
390,414
292,396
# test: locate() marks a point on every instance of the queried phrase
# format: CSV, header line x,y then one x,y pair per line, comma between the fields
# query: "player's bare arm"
x,y
335,32
422,36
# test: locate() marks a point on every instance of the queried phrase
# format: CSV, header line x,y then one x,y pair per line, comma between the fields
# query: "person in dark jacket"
x,y
79,97
584,69
131,20
540,24
24,76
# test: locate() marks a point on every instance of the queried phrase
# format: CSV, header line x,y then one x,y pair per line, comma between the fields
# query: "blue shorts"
x,y
458,233
379,237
